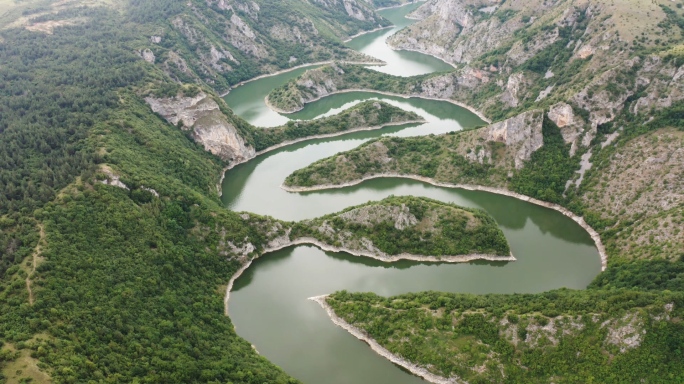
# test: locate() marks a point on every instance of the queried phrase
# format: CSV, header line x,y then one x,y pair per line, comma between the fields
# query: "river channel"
x,y
269,305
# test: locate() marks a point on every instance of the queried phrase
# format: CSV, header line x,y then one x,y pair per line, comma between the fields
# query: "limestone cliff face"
x,y
570,125
209,126
222,42
521,134
356,9
546,54
449,29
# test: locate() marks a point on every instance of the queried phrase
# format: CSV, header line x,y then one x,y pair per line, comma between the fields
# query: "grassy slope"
x,y
437,157
457,158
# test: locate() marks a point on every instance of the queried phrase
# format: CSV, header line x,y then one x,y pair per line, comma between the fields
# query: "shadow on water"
x,y
274,259
401,264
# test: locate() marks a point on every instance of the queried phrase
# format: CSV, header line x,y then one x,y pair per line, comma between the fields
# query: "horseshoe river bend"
x,y
268,303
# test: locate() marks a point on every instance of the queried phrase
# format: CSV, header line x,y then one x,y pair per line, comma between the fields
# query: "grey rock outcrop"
x,y
147,55
448,30
513,88
522,134
210,127
375,214
571,126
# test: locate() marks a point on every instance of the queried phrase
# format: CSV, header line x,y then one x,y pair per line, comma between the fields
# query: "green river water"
x,y
269,305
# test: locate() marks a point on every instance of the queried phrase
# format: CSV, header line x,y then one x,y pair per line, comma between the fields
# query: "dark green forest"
x,y
128,290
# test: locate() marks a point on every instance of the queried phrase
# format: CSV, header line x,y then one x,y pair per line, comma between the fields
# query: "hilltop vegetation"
x,y
319,82
411,226
564,336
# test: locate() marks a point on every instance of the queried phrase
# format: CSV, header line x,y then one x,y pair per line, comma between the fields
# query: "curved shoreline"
x,y
335,134
378,63
379,349
499,191
350,38
421,52
306,138
413,95
359,253
400,5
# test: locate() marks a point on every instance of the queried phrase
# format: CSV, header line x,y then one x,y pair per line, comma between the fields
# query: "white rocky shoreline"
x,y
380,257
286,70
413,95
350,38
313,137
400,5
499,191
379,349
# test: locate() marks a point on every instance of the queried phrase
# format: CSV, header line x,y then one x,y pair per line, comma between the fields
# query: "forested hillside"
x,y
114,247
221,43
560,336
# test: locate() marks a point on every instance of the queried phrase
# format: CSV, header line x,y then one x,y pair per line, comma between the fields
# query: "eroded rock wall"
x,y
210,127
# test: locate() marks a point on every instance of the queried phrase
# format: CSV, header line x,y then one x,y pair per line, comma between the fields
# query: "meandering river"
x,y
269,305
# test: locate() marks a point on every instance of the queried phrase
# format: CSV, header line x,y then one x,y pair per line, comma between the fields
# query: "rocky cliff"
x,y
235,141
520,135
208,125
519,55
222,42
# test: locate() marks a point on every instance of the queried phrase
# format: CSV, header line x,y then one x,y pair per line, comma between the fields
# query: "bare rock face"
x,y
209,125
521,133
513,87
357,9
112,178
585,51
571,126
375,214
440,86
147,55
448,30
